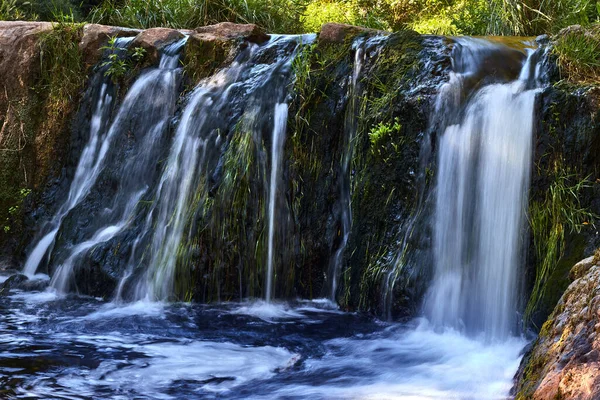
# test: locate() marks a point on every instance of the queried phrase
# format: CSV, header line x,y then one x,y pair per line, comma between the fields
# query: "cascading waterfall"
x,y
145,113
89,166
484,159
214,108
278,140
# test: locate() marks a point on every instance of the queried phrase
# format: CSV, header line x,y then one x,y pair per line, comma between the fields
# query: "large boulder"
x,y
19,58
96,36
337,33
564,362
156,39
231,31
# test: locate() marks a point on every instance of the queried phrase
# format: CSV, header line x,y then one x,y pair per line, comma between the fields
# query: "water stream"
x,y
88,168
484,160
466,343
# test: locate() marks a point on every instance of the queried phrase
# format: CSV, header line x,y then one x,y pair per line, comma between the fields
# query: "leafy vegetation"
x,y
578,54
446,17
559,213
121,60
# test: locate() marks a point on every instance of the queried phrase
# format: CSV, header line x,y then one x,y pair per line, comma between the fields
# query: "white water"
x,y
482,184
418,364
198,136
88,168
278,140
160,81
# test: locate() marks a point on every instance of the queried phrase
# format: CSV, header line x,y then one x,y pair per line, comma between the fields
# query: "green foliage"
x,y
61,67
578,54
534,17
354,12
550,219
281,16
121,60
383,134
15,210
43,10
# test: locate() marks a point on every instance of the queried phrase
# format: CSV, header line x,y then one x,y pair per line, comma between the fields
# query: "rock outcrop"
x,y
564,362
96,36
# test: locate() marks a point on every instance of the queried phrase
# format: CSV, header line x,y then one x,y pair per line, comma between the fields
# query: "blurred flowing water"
x,y
465,346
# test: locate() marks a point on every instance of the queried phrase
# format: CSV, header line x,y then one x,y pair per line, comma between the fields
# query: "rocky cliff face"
x,y
51,73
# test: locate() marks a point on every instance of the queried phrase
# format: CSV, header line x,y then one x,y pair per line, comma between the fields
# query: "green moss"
x,y
35,126
558,214
203,57
383,147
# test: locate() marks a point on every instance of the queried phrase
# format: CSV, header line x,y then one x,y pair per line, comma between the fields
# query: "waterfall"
x,y
143,116
88,168
483,172
215,108
279,126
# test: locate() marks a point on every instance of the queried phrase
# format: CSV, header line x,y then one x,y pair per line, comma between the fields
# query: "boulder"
x,y
154,40
96,36
19,58
564,362
231,31
337,33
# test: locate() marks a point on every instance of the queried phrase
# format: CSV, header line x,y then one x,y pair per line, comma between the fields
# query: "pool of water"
x,y
85,348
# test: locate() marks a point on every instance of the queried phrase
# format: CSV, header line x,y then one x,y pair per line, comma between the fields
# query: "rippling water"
x,y
84,348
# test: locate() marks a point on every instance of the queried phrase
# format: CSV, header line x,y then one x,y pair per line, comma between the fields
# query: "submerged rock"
x,y
22,282
564,362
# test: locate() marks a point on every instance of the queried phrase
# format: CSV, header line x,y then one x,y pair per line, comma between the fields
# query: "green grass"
x,y
559,213
578,54
279,16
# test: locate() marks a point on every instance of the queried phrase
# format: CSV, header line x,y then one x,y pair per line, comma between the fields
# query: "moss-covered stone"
x,y
35,134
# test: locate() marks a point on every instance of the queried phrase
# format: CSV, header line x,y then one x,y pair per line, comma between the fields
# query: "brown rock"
x,y
337,33
231,31
156,39
19,57
96,36
582,268
564,362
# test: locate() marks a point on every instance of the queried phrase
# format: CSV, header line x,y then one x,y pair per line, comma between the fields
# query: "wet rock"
x,y
564,362
154,40
338,33
14,282
96,36
22,282
230,31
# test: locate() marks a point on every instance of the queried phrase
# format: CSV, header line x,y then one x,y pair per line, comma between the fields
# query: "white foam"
x,y
115,310
418,364
268,311
211,366
37,297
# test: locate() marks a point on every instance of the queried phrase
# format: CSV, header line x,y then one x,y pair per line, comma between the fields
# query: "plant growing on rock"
x,y
560,211
121,60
